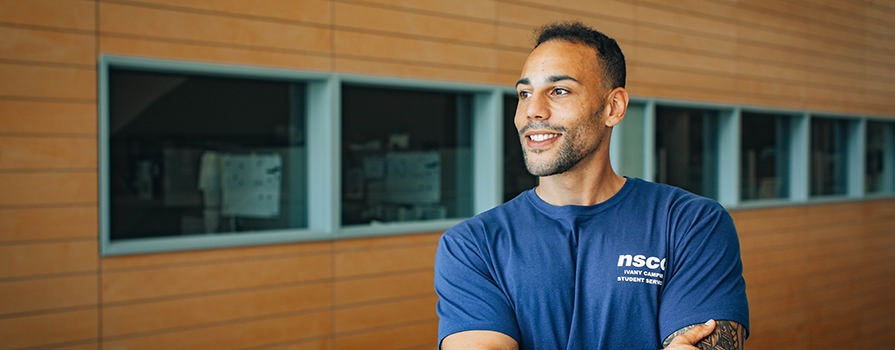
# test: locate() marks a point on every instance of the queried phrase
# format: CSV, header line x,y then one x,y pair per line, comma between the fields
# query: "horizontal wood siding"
x,y
816,275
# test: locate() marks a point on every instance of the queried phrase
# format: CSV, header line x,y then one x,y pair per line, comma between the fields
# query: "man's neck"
x,y
590,182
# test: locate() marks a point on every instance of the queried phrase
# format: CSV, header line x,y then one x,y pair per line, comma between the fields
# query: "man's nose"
x,y
536,107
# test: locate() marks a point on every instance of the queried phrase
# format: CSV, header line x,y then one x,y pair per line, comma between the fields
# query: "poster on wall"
x,y
251,185
413,177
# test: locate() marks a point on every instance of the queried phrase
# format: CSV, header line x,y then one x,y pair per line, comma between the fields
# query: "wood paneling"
x,y
21,260
186,26
48,293
47,152
214,53
63,14
128,285
20,188
33,117
232,335
47,82
364,18
29,224
308,11
385,314
184,312
59,327
804,266
350,291
46,46
376,261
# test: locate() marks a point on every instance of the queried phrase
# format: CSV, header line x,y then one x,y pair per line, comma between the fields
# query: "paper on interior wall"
x,y
251,185
412,177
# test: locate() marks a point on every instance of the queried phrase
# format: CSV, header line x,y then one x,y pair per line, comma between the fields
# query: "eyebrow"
x,y
552,79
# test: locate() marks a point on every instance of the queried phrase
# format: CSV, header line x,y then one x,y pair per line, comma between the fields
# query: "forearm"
x,y
728,335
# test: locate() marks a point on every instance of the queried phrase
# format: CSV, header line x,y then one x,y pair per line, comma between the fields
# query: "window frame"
x,y
323,126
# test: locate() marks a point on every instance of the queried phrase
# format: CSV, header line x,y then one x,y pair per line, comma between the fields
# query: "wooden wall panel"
x,y
47,152
192,27
204,309
130,285
232,335
803,265
21,260
404,23
54,328
51,188
61,14
47,294
379,315
308,11
45,117
46,46
418,335
471,9
31,224
48,82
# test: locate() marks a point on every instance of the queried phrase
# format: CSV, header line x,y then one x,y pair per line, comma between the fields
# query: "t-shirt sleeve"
x,y
468,296
705,278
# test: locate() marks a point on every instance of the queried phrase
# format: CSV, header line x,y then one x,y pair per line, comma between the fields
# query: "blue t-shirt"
x,y
622,274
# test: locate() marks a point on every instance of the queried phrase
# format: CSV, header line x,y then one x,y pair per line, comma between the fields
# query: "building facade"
x,y
813,203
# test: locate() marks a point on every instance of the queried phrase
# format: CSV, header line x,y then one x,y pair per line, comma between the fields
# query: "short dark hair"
x,y
608,53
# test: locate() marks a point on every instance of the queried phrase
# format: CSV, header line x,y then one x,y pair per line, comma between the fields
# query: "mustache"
x,y
542,125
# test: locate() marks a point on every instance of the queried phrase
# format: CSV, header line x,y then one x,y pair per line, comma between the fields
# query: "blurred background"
x,y
276,174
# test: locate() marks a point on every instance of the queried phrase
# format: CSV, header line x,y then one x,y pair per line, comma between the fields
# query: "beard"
x,y
572,150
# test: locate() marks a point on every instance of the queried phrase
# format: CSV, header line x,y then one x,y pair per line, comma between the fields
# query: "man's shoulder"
x,y
677,201
488,221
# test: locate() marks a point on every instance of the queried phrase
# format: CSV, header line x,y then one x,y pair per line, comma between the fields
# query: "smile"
x,y
542,137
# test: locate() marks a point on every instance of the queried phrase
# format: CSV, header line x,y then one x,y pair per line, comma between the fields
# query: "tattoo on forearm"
x,y
728,335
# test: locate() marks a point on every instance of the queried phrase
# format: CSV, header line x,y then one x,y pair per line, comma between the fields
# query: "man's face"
x,y
561,103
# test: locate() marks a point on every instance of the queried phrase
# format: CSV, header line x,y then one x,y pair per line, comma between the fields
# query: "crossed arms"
x,y
718,335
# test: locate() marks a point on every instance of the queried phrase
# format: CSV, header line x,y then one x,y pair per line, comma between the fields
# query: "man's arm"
x,y
728,335
479,340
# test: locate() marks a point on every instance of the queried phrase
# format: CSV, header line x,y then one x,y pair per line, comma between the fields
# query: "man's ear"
x,y
617,105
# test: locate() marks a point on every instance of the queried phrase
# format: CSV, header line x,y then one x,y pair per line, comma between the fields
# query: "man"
x,y
588,259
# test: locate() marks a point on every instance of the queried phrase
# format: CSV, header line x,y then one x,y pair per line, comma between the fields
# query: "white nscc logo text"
x,y
651,262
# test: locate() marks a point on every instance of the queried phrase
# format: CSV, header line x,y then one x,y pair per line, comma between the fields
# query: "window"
x,y
194,154
829,163
628,142
879,157
764,156
406,155
686,152
516,178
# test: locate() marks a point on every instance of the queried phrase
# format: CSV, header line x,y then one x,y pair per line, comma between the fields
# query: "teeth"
x,y
542,137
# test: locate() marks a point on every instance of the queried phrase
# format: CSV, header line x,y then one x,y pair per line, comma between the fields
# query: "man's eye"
x,y
560,91
524,94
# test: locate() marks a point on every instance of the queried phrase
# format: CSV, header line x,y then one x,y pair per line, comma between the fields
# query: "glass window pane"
x,y
880,157
829,154
630,133
764,155
193,154
686,153
516,178
406,155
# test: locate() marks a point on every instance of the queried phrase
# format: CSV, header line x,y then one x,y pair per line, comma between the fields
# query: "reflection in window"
x,y
406,155
878,162
516,178
828,156
629,134
686,153
764,156
194,154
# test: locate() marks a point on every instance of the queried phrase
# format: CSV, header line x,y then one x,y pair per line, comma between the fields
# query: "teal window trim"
x,y
324,140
